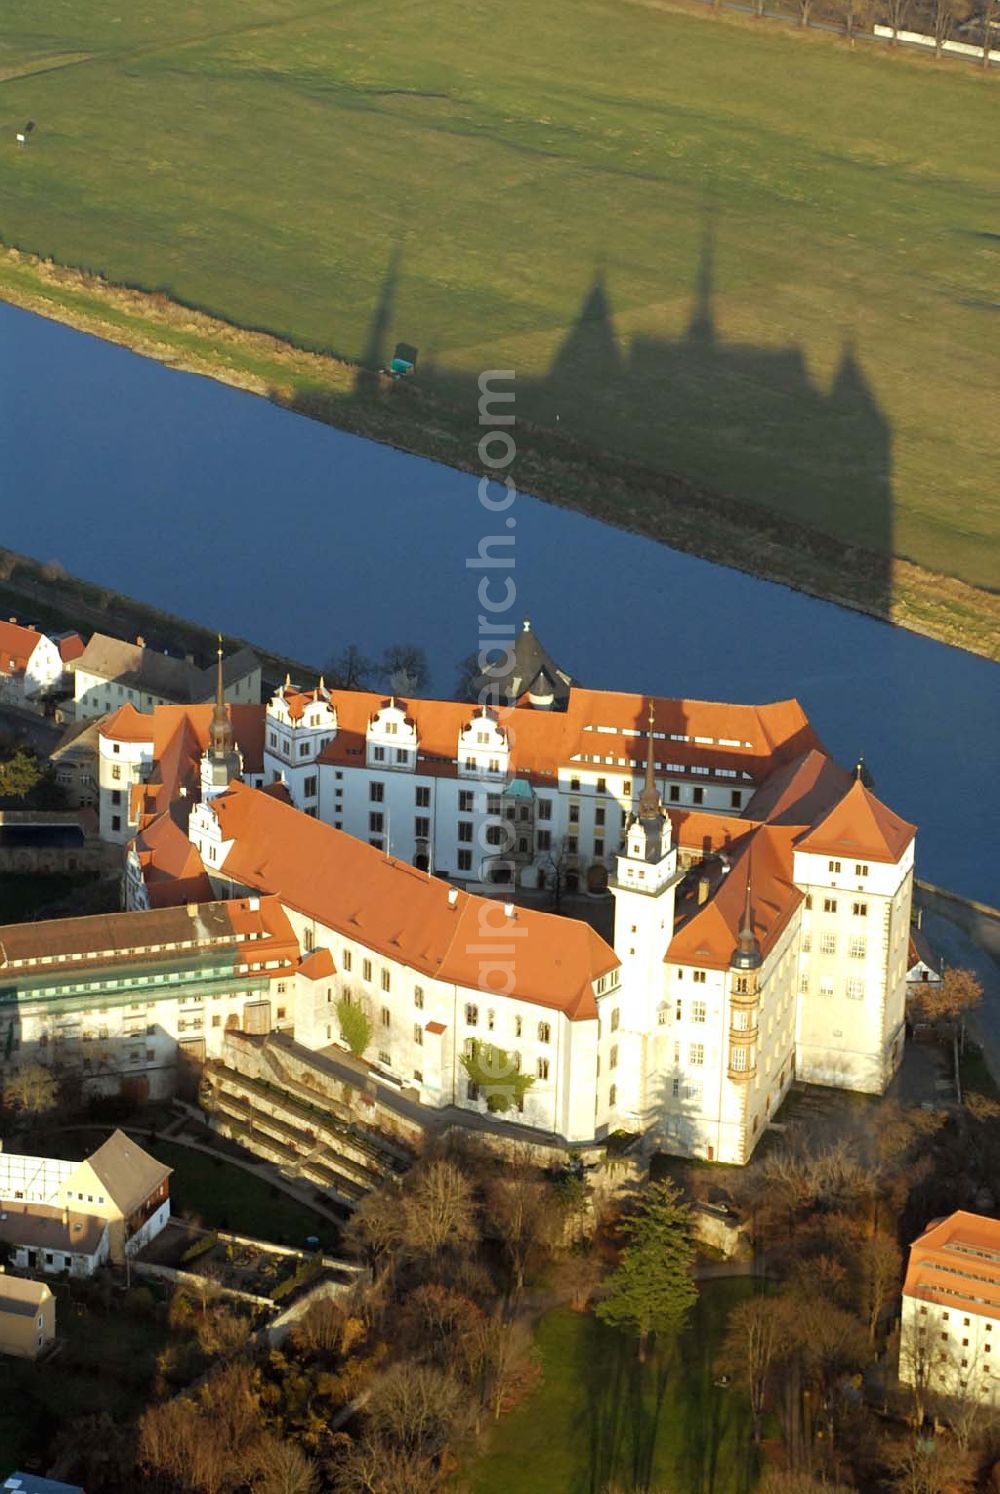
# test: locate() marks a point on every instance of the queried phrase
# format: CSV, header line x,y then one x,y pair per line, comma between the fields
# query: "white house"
x,y
30,664
950,1327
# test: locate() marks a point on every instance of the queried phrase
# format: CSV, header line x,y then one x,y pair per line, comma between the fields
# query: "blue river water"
x,y
218,506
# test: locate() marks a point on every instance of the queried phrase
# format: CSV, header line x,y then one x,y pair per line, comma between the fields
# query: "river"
x,y
221,507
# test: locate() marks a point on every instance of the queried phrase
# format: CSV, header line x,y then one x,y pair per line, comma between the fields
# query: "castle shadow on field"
x,y
737,421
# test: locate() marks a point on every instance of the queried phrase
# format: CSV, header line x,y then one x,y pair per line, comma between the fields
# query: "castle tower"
x,y
744,999
643,887
222,762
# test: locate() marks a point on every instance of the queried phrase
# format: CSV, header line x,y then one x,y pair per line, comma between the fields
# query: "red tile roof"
x,y
750,739
17,645
956,1263
404,914
706,934
859,825
71,647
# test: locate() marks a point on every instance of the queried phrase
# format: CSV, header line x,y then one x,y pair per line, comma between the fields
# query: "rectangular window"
x,y
386,1017
309,786
833,866
613,1057
422,827
736,799
418,1034
376,823
465,830
471,1014
857,949
828,944
347,959
599,816
545,809
696,1055
465,860
698,796
602,786
366,969
376,792
860,910
699,977
615,1019
423,798
542,1068
378,754
574,814
829,905
826,985
386,980
699,1011
418,998
856,988
465,800
544,840
861,869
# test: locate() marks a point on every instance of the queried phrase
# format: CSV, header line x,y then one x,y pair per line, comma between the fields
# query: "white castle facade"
x,y
761,894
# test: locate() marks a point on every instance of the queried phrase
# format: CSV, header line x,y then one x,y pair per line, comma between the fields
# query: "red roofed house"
x,y
30,664
951,1309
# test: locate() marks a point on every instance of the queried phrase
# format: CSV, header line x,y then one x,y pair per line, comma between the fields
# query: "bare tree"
x,y
756,1335
521,1212
33,1089
898,11
281,1467
958,993
437,1210
881,1265
371,1466
923,1466
417,1408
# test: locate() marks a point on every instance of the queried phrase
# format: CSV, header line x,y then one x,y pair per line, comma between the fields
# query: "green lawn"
x,y
227,1197
545,188
599,1418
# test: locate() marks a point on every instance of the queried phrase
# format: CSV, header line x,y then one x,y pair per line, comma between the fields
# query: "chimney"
x,y
452,897
253,903
192,910
65,1216
140,641
508,910
703,886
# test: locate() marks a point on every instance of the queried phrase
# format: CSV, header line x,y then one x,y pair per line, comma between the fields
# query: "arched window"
x,y
544,1032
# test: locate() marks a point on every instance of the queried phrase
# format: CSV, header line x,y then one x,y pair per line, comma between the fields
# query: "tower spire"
x,y
221,731
747,955
650,805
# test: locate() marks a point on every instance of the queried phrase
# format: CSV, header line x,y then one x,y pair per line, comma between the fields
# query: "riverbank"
x,y
42,594
558,470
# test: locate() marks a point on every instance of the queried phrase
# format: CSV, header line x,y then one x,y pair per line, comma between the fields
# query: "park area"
x,y
599,1419
758,259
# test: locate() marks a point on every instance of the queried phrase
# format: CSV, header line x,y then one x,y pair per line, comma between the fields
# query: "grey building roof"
x,y
128,1173
530,672
42,1227
144,669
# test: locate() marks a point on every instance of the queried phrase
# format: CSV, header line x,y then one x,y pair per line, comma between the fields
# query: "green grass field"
x,y
754,258
601,1420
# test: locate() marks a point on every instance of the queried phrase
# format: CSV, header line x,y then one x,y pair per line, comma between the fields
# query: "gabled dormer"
x,y
298,724
483,749
391,739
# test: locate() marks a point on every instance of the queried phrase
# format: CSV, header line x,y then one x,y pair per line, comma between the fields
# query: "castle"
x,y
761,896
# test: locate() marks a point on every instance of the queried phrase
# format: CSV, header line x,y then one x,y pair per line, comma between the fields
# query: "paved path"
x,y
958,949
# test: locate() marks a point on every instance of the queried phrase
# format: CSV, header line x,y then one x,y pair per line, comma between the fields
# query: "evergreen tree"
x,y
652,1290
